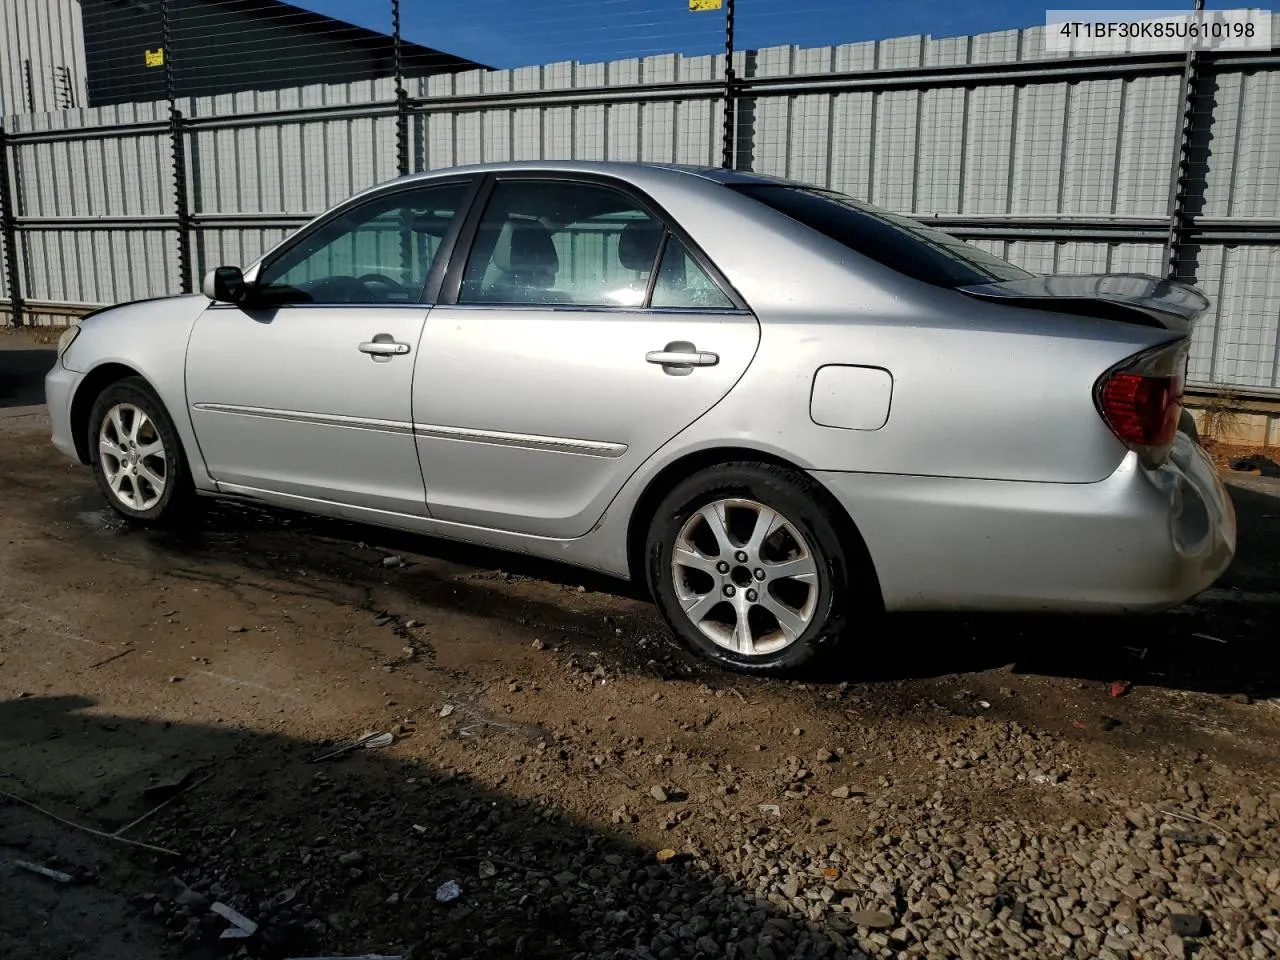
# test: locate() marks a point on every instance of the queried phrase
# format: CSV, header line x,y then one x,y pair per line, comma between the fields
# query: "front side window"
x,y
378,252
899,243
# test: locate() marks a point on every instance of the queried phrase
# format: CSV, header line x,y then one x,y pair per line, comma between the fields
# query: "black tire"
x,y
177,499
845,581
1187,424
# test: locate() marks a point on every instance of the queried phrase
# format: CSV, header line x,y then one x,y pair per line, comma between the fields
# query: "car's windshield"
x,y
895,241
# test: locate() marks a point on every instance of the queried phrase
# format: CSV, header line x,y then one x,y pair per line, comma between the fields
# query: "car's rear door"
x,y
305,391
577,332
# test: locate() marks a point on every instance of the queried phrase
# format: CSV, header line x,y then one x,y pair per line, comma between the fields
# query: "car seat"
x,y
526,262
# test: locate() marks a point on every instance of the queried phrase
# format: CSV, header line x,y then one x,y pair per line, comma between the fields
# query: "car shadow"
x,y
349,856
22,373
1221,643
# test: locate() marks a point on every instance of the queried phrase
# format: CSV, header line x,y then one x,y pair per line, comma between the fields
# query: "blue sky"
x,y
507,33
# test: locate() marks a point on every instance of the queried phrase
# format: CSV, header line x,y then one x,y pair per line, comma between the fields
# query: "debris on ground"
x,y
369,741
1120,688
44,871
621,777
448,891
393,561
241,926
1188,924
111,659
872,919
89,830
166,785
1255,464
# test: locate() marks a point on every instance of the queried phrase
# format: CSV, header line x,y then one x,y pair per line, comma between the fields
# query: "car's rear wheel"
x,y
1187,424
746,564
137,458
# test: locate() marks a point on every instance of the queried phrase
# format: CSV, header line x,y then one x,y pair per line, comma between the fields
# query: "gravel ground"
x,y
966,787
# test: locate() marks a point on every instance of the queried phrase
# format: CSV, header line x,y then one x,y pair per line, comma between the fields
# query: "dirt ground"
x,y
963,787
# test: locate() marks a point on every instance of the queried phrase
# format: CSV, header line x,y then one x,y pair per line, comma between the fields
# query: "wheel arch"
x,y
666,479
90,388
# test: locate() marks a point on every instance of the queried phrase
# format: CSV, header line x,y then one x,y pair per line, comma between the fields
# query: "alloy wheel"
x,y
133,456
745,576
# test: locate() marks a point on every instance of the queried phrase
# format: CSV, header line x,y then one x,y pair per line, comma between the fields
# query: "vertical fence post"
x,y
730,92
178,150
402,97
9,230
1181,173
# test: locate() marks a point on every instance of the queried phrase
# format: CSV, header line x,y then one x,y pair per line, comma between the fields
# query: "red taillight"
x,y
1141,400
1142,411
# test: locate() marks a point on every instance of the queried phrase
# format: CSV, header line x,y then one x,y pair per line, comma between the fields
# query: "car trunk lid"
x,y
1126,297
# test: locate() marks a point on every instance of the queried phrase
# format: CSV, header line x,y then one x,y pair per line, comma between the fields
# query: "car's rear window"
x,y
897,242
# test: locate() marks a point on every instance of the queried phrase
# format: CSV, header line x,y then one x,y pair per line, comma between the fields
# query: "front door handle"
x,y
383,347
679,358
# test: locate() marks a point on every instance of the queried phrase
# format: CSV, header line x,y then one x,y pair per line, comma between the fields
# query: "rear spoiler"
x,y
1128,297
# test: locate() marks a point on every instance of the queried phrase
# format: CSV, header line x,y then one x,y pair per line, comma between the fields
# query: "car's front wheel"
x,y
746,564
137,457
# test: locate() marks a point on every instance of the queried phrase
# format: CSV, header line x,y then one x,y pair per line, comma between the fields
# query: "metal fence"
x,y
1158,163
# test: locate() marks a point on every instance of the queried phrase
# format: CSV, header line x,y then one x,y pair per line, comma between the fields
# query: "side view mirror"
x,y
225,285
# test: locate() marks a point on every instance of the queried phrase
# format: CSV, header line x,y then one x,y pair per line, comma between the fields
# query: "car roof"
x,y
624,170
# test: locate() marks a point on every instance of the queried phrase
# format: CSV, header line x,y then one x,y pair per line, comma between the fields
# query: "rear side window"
x,y
561,242
899,243
682,283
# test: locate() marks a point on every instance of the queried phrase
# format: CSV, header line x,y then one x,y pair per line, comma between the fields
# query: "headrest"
x,y
638,245
524,247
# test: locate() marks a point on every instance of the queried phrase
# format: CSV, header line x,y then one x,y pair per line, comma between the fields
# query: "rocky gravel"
x,y
897,868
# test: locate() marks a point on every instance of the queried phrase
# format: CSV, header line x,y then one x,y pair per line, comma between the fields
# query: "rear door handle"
x,y
383,347
682,354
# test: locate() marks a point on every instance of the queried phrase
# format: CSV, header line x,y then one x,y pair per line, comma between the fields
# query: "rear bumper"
x,y
1140,540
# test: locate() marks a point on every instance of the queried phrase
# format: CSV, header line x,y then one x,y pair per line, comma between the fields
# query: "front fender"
x,y
149,337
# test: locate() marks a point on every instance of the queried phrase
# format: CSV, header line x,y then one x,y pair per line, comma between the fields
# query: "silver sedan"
x,y
784,410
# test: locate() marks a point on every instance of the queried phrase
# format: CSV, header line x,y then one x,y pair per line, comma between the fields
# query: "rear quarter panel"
x,y
993,398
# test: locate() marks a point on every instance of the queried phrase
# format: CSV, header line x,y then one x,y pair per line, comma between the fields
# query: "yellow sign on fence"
x,y
156,59
697,6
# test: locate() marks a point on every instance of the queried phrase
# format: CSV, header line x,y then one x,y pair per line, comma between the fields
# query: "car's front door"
x,y
306,389
584,334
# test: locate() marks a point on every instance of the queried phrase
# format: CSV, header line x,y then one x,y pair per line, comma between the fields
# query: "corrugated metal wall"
x,y
42,60
1015,165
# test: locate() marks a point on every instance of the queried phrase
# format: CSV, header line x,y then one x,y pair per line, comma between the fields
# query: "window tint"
x,y
378,252
897,242
682,283
559,242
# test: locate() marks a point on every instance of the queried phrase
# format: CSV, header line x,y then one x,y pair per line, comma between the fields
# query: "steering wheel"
x,y
381,279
